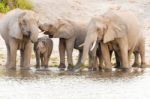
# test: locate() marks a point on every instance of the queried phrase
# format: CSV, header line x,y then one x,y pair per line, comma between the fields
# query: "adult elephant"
x,y
71,34
119,29
19,28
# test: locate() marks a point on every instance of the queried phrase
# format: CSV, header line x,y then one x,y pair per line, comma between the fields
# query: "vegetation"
x,y
6,5
3,7
24,4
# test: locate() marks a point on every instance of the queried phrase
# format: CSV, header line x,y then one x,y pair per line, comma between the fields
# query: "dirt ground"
x,y
83,10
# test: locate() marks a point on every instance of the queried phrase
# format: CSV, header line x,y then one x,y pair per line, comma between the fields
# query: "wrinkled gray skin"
x,y
18,28
43,49
71,35
119,29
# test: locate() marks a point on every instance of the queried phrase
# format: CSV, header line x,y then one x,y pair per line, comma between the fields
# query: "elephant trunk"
x,y
89,45
34,34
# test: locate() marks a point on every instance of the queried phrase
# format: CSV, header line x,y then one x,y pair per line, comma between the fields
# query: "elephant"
x,y
99,62
19,28
119,29
43,49
71,34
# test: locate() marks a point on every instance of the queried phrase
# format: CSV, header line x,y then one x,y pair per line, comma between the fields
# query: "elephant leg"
x,y
46,59
136,60
129,56
62,48
118,62
69,49
100,58
27,56
93,65
42,60
124,53
90,67
142,53
101,62
79,58
37,55
13,53
106,57
8,54
22,57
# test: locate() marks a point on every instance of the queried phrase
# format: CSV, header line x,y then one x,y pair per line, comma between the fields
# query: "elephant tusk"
x,y
93,46
42,32
81,45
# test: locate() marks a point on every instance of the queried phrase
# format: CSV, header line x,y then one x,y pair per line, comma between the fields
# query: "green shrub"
x,y
23,4
4,8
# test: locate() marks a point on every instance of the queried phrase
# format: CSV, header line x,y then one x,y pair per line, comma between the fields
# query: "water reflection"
x,y
29,84
54,73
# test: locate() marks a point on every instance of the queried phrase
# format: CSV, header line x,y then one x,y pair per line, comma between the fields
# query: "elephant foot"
x,y
77,68
62,66
70,68
143,65
45,66
38,69
100,68
135,65
126,69
117,66
107,69
6,64
10,68
25,68
92,69
37,66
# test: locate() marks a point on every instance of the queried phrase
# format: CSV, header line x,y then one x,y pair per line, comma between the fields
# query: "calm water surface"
x,y
54,84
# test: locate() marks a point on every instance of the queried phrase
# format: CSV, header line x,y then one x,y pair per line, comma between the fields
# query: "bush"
x,y
23,4
4,8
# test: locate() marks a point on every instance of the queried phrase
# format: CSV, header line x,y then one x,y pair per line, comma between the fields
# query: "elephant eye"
x,y
24,22
98,29
50,25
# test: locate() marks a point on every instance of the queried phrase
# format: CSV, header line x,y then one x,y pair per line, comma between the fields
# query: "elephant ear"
x,y
14,28
64,30
116,28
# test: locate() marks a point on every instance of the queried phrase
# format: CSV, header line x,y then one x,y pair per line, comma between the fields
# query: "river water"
x,y
54,84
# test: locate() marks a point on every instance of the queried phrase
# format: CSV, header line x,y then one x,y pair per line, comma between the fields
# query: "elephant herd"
x,y
113,31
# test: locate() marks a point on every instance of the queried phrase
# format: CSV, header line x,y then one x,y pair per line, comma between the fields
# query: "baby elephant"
x,y
43,49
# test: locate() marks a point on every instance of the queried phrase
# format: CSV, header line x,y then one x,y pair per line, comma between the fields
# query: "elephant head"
x,y
23,25
58,29
104,28
41,46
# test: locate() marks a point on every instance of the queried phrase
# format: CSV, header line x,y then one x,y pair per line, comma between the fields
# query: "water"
x,y
54,84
